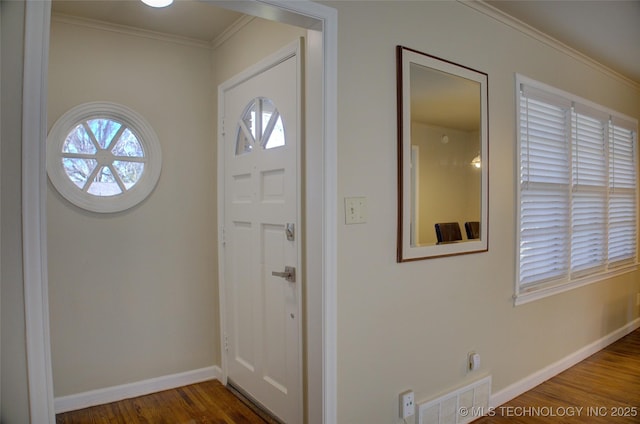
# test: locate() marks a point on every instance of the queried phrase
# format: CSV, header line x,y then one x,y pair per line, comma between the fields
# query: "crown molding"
x,y
506,19
128,30
231,30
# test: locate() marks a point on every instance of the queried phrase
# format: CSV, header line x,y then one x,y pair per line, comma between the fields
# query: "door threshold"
x,y
252,404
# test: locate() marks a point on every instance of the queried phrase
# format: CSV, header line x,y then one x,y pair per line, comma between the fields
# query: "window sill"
x,y
536,293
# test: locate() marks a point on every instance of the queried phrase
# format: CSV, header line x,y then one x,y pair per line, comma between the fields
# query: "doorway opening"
x,y
320,363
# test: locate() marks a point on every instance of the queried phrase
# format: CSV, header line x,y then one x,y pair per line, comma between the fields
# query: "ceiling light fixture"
x,y
157,3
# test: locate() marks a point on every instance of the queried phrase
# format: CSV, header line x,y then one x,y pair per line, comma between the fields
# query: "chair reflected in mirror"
x,y
473,229
448,232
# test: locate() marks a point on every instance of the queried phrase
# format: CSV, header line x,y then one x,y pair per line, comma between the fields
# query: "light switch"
x,y
355,209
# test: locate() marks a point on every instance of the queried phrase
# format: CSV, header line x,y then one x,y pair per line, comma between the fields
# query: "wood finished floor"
x,y
608,382
203,403
606,386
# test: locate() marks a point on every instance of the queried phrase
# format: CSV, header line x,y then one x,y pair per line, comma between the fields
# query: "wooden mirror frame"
x,y
405,251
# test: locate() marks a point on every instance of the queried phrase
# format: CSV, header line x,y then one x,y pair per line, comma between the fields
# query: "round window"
x,y
103,157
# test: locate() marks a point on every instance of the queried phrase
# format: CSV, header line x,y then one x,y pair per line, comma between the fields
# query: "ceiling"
x,y
193,19
606,30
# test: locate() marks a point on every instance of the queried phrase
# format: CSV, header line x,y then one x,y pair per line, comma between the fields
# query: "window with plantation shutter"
x,y
622,198
577,191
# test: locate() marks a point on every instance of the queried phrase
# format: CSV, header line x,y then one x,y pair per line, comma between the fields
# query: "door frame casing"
x,y
289,51
34,231
34,185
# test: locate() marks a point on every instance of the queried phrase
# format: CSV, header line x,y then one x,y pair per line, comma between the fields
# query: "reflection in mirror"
x,y
442,157
445,133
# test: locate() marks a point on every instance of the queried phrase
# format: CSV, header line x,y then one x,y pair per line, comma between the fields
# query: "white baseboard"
x,y
139,388
528,383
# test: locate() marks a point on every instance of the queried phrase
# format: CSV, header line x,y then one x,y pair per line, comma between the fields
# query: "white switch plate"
x,y
355,210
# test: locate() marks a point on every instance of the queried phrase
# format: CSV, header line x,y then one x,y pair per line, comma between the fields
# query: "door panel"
x,y
261,196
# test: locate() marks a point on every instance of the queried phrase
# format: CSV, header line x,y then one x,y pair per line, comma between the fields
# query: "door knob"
x,y
289,274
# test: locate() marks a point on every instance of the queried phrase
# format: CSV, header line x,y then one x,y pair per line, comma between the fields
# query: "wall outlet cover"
x,y
407,404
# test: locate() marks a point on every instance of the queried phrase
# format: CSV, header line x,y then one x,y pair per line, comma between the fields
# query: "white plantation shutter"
x,y
543,242
589,194
577,191
622,197
544,183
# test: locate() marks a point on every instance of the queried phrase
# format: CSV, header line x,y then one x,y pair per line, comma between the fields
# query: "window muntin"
x,y
260,125
103,157
577,191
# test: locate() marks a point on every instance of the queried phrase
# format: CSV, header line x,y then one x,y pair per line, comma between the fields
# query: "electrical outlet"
x,y
407,404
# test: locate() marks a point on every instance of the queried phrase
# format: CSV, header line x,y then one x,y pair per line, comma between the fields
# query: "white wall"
x,y
411,325
133,295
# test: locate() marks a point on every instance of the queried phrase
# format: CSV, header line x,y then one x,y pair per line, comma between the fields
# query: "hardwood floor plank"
x,y
604,388
204,403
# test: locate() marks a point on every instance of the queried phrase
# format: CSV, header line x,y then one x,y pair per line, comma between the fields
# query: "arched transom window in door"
x,y
260,125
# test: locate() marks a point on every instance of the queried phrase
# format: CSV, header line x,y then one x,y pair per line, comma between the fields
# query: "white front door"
x,y
260,257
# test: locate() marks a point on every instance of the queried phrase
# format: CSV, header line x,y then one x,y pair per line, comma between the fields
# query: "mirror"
x,y
442,157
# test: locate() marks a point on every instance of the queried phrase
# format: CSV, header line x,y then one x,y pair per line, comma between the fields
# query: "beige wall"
x,y
258,39
133,295
411,325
